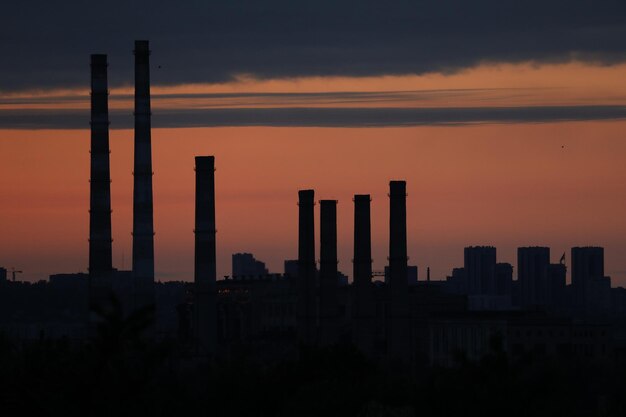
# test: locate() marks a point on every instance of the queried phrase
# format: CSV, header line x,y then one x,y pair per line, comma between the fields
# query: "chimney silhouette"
x,y
100,241
143,225
306,268
328,272
205,274
398,327
362,302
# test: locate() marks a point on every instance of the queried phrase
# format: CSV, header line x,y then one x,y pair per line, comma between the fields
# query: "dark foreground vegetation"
x,y
120,374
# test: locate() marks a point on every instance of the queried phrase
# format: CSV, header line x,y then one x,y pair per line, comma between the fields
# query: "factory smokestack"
x,y
362,303
205,274
143,226
328,272
100,241
398,327
306,268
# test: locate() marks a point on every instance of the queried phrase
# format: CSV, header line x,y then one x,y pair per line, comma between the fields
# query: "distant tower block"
x,y
398,325
363,302
328,272
143,225
100,241
533,267
205,274
306,308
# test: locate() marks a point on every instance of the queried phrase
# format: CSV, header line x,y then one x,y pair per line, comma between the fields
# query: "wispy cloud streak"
x,y
313,117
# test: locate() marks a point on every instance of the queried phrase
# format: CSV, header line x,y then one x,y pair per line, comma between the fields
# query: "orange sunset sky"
x,y
558,183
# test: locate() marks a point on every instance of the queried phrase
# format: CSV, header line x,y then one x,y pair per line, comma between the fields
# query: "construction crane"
x,y
13,272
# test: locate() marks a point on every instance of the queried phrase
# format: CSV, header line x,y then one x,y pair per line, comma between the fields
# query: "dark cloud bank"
x,y
314,117
46,44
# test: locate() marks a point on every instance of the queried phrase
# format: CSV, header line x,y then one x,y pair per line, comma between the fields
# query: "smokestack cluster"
x,y
205,310
306,310
143,224
363,307
362,302
398,327
100,240
328,272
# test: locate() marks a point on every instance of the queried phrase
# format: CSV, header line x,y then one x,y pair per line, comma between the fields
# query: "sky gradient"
x,y
509,185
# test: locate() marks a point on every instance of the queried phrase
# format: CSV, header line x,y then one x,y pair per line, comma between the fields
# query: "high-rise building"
x,y
480,269
504,279
588,281
556,286
532,273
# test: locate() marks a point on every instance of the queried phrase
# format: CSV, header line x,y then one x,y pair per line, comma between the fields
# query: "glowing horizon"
x,y
554,184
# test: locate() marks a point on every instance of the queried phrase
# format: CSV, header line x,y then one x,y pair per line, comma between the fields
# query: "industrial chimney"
x,y
362,300
100,242
328,272
306,308
143,226
398,326
205,309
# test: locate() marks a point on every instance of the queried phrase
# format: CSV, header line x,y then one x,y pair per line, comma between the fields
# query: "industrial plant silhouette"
x,y
478,320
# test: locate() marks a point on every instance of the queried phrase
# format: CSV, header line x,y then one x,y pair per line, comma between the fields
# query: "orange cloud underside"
x,y
504,85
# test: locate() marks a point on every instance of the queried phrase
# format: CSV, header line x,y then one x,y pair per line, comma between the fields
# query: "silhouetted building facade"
x,y
244,264
504,279
532,273
480,269
411,275
589,284
457,282
557,297
290,268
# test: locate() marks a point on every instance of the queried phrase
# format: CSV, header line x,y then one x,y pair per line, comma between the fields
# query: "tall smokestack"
x,y
205,258
143,225
100,241
306,268
398,326
328,272
363,303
